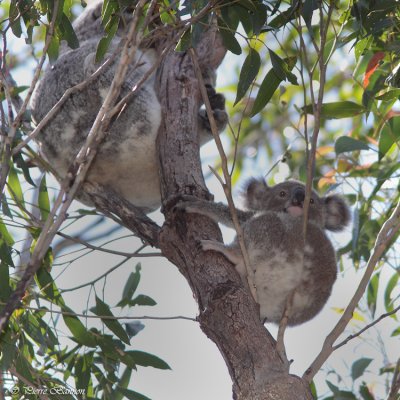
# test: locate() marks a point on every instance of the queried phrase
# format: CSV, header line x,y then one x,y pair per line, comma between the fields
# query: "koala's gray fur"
x,y
127,158
273,235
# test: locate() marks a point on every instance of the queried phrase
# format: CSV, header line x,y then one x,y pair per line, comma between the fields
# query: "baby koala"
x,y
127,159
283,263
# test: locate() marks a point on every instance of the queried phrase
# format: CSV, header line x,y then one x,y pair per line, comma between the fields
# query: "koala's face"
x,y
330,212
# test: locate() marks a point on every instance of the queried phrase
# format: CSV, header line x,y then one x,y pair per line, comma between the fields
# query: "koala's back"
x,y
129,144
276,255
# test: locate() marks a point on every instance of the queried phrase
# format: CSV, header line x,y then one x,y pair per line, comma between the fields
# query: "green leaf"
x,y
5,207
334,389
358,368
307,12
346,143
390,95
14,91
68,32
396,332
131,395
389,135
133,328
5,236
268,87
103,310
228,37
83,371
5,289
123,383
365,393
47,285
142,300
281,68
345,395
14,187
15,19
78,330
21,163
337,110
313,389
43,200
8,349
23,368
53,49
147,360
248,73
284,17
372,293
185,42
392,284
130,287
6,254
105,41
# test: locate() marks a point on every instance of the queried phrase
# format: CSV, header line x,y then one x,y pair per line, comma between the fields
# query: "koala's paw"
x,y
187,204
217,102
206,245
220,117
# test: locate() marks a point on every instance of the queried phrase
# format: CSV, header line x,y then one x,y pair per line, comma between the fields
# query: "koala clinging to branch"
x,y
127,159
283,263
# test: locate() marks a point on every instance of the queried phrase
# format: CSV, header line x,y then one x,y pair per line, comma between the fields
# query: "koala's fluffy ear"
x,y
337,213
255,191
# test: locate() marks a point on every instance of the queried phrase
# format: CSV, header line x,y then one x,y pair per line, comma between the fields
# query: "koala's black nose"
x,y
298,197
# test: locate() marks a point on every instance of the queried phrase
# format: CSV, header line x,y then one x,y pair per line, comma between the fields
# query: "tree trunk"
x,y
228,314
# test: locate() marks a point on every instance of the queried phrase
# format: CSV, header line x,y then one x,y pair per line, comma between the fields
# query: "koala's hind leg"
x,y
232,254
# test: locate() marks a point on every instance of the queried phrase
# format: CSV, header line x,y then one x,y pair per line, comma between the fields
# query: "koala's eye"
x,y
311,201
282,194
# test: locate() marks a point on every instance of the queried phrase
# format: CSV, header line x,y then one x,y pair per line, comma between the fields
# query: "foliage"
x,y
282,99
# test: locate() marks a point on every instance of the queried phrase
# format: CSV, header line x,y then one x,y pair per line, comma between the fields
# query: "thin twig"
x,y
317,109
99,248
361,331
227,183
280,344
108,317
14,124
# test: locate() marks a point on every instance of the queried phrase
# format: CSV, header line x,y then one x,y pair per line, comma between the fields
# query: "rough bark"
x,y
228,314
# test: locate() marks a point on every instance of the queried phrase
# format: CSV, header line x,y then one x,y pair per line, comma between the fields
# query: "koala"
x,y
283,262
127,160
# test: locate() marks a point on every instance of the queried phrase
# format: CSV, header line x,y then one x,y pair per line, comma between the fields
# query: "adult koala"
x,y
127,158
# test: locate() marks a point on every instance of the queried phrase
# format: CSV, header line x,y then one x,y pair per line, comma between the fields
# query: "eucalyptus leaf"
x,y
346,144
358,368
337,110
248,73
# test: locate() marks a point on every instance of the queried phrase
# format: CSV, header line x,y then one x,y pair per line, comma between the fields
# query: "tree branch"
x,y
395,388
111,204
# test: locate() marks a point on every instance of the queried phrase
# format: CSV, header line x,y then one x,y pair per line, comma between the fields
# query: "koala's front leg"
x,y
218,212
217,102
231,253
